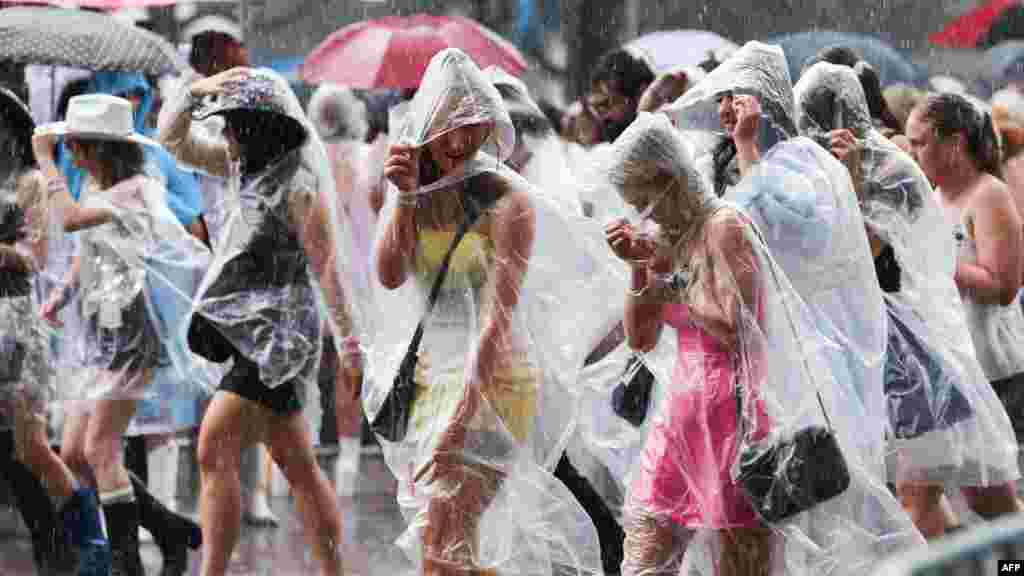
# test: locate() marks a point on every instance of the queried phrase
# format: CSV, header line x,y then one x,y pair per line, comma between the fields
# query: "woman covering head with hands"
x,y
750,371
499,276
276,280
944,421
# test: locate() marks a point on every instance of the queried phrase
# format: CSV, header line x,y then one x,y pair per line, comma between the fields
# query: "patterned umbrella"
x,y
56,36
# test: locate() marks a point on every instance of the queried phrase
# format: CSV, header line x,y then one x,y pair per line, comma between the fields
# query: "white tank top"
x,y
997,331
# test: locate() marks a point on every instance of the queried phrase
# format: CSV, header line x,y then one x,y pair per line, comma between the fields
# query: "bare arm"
x,y
188,144
995,277
75,216
311,219
398,245
643,315
513,232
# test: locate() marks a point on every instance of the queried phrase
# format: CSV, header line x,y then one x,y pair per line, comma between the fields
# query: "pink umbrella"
x,y
393,52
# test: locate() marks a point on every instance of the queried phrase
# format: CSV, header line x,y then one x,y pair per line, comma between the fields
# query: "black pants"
x,y
609,532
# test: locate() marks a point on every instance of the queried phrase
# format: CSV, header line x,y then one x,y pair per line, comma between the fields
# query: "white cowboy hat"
x,y
98,117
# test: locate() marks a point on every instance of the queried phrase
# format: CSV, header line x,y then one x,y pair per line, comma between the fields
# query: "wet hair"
x,y
721,158
951,114
210,46
839,55
121,160
264,137
623,72
877,104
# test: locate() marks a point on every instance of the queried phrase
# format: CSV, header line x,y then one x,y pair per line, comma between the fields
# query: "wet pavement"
x,y
371,522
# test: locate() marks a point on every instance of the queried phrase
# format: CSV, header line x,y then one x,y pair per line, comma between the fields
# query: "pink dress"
x,y
685,468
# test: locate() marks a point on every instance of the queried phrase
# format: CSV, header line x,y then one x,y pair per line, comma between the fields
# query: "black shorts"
x,y
244,379
1011,393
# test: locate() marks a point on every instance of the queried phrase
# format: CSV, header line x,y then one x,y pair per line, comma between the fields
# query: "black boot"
x,y
122,518
609,532
173,533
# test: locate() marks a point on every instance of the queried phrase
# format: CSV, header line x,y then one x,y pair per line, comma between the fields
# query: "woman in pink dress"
x,y
750,372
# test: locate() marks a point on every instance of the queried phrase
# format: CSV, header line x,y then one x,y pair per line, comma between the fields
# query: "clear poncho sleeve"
x,y
123,292
802,201
944,420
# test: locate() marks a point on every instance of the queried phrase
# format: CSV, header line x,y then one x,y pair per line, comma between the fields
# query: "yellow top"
x,y
469,262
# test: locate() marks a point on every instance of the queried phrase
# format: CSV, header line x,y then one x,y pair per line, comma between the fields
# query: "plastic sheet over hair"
x,y
944,421
755,69
459,96
494,506
746,345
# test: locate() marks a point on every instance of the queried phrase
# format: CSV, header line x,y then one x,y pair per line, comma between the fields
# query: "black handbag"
x,y
12,359
632,396
207,341
793,475
392,420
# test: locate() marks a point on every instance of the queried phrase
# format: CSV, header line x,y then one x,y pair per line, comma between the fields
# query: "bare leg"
x,y
451,536
746,552
230,424
652,547
32,448
291,446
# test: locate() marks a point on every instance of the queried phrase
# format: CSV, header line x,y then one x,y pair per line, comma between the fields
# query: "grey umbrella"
x,y
78,39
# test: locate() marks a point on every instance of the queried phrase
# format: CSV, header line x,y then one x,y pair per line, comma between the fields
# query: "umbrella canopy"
x,y
670,49
1000,66
393,52
892,66
77,39
993,22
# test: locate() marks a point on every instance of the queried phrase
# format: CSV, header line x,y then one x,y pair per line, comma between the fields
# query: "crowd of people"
x,y
714,321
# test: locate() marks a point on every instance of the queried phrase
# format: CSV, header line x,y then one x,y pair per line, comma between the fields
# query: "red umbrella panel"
x,y
393,52
971,29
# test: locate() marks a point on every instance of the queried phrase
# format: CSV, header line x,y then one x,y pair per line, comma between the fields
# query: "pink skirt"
x,y
685,469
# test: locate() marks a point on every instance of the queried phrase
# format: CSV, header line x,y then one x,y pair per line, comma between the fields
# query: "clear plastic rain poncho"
x,y
745,345
340,119
803,201
500,509
114,334
277,274
546,167
27,373
943,415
